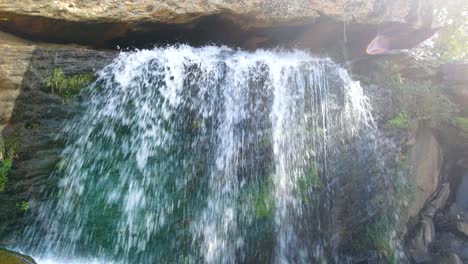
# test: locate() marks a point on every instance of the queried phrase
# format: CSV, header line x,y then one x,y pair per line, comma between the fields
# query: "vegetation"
x,y
451,43
67,86
22,206
7,154
381,236
462,122
400,121
427,102
311,180
260,197
418,100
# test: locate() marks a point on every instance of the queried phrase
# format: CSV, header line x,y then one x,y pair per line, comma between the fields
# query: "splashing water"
x,y
202,155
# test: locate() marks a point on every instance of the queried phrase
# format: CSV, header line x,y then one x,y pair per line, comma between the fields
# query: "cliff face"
x,y
35,115
242,23
262,12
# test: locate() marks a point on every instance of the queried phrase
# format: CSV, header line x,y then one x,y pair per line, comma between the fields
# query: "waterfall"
x,y
203,155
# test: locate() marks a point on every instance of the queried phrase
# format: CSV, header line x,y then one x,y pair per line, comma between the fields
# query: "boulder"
x,y
426,159
11,257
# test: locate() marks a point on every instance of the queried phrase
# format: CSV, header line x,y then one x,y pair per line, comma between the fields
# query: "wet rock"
x,y
448,220
436,202
449,258
423,237
425,232
11,257
463,228
33,118
448,242
462,194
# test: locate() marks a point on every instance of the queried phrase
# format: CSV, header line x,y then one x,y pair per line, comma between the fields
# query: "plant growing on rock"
x,y
67,86
462,122
22,206
381,234
400,121
418,100
259,197
310,181
427,102
7,154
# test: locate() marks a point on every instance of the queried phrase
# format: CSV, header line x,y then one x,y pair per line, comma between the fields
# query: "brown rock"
x,y
106,22
14,60
11,257
263,12
15,57
426,157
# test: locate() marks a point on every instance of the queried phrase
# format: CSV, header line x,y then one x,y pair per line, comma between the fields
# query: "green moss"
x,y
380,231
264,204
380,234
311,180
67,86
22,206
7,154
462,122
258,197
400,121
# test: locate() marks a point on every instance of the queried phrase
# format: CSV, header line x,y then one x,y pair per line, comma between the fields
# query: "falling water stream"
x,y
203,155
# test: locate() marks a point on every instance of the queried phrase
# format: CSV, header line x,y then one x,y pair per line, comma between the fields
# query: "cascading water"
x,y
203,155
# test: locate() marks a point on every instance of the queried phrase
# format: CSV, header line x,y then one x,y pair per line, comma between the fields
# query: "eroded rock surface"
x,y
14,60
244,23
426,156
32,117
263,12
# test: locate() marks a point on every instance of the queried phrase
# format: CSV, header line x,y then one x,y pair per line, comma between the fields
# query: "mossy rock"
x,y
11,257
400,121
